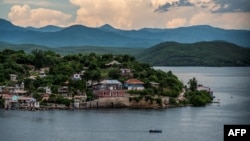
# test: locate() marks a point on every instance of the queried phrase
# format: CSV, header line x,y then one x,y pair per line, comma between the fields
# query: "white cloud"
x,y
124,14
176,23
135,14
25,16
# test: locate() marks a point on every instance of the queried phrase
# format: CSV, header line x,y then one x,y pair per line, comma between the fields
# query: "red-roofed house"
x,y
134,84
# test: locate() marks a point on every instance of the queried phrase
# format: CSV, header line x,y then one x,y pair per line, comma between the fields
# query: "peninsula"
x,y
46,80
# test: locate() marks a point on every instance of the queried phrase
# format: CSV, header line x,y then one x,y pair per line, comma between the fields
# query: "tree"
x,y
114,73
37,96
199,98
193,84
39,58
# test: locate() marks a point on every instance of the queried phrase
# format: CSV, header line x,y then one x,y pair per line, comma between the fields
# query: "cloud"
x,y
131,14
119,13
231,6
176,23
25,16
124,14
166,6
223,6
99,12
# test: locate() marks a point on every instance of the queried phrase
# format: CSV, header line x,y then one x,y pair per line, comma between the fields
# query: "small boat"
x,y
155,131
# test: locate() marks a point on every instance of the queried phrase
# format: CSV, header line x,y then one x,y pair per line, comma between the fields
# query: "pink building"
x,y
109,88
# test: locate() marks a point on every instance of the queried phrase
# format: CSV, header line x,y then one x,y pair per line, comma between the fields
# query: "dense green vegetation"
x,y
198,98
66,50
216,53
195,97
62,68
93,67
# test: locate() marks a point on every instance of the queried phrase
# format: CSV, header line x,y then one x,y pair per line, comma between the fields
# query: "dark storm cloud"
x,y
232,6
165,7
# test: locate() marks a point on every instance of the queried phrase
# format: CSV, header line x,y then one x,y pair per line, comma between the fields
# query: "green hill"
x,y
72,49
216,53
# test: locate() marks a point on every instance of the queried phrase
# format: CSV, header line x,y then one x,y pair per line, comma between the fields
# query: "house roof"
x,y
20,91
27,98
113,62
134,81
111,82
79,96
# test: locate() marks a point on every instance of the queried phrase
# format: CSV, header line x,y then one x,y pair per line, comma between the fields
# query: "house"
x,y
126,72
10,101
26,102
109,88
13,77
154,84
109,84
46,89
64,91
20,92
22,86
32,77
76,76
134,84
79,101
203,88
42,73
37,104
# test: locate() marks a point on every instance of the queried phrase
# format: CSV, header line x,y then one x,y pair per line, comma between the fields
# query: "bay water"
x,y
231,87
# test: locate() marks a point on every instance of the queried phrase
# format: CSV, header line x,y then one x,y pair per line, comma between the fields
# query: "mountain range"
x,y
108,36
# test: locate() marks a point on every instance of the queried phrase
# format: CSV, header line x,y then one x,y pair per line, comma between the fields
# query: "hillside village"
x,y
46,80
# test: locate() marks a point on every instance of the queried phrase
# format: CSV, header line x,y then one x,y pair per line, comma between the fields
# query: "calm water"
x,y
230,85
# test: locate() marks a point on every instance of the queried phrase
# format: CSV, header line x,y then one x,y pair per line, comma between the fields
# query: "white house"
x,y
47,90
13,77
134,84
76,76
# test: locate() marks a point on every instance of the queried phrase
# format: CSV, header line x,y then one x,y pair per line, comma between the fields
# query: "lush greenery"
x,y
59,99
216,53
199,98
168,85
93,68
195,97
66,50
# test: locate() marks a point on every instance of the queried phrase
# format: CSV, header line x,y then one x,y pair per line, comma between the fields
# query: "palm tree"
x,y
193,84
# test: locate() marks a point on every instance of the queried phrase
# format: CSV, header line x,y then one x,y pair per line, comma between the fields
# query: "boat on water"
x,y
155,131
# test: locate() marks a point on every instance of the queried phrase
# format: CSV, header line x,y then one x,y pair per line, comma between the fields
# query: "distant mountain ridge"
x,y
106,35
48,28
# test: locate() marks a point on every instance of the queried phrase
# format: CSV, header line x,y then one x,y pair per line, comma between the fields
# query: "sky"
x,y
128,14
